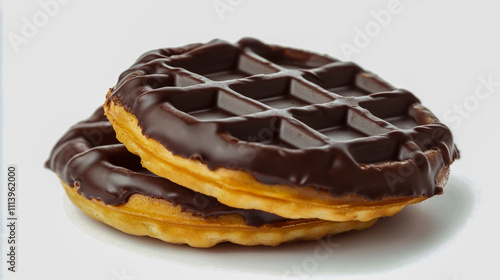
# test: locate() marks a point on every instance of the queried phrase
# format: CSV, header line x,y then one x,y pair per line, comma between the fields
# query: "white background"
x,y
59,73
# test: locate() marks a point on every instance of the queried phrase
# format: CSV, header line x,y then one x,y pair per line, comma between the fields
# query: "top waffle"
x,y
287,117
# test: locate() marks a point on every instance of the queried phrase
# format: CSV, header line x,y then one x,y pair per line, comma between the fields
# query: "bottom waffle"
x,y
109,184
145,216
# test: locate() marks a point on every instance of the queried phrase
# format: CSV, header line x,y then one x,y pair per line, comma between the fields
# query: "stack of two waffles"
x,y
253,144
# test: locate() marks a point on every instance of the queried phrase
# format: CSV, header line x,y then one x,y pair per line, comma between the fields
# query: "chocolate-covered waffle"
x,y
281,130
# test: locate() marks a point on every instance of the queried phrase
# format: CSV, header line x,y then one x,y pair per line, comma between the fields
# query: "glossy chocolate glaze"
x,y
90,158
287,116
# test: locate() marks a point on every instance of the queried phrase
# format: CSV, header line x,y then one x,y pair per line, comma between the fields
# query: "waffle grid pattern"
x,y
288,98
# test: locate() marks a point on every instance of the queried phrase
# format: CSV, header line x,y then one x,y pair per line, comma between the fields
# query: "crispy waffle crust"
x,y
146,216
282,130
108,184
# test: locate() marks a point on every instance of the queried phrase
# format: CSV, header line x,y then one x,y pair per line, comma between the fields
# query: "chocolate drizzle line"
x,y
89,157
287,116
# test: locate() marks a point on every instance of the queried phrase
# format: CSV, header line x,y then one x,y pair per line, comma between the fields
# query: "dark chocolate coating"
x,y
287,116
90,157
